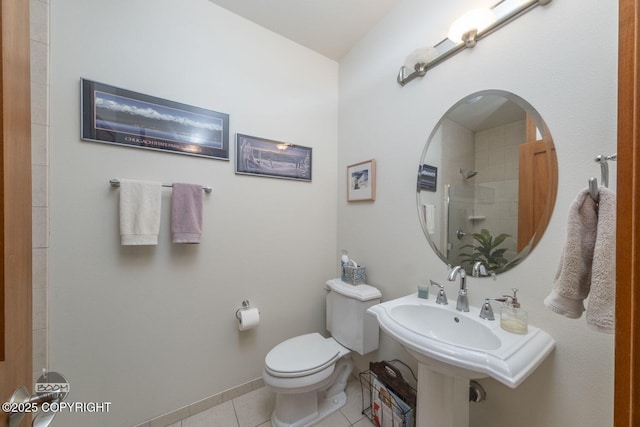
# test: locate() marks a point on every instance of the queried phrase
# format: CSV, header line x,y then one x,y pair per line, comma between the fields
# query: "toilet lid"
x,y
302,355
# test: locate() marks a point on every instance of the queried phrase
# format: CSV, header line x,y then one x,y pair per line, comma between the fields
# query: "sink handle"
x,y
442,296
486,312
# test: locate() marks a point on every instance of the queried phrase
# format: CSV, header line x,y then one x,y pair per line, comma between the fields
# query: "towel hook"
x,y
593,188
604,173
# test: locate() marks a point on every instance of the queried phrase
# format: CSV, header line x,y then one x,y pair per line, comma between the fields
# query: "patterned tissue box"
x,y
354,275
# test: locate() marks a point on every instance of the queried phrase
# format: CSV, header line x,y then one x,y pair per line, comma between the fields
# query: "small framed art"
x,y
361,181
275,159
428,178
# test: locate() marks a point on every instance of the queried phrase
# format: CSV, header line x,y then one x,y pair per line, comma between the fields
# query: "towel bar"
x,y
116,183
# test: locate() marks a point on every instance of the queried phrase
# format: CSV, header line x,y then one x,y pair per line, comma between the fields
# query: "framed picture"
x,y
361,181
265,157
427,178
122,117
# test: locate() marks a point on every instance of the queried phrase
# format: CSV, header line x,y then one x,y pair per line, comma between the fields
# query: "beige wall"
x,y
153,329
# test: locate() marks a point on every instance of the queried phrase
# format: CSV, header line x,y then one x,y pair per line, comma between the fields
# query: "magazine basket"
x,y
387,399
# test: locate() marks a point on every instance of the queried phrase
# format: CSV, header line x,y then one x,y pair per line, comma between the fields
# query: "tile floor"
x,y
254,410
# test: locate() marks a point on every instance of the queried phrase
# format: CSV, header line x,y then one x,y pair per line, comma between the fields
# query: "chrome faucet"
x,y
480,269
463,301
442,296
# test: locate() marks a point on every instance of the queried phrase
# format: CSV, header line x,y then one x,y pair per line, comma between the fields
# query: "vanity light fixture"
x,y
464,33
466,28
417,62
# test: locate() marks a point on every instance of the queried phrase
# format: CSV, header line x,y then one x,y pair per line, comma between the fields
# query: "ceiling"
x,y
486,112
329,27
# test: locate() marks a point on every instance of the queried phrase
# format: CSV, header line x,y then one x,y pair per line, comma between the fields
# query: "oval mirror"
x,y
487,182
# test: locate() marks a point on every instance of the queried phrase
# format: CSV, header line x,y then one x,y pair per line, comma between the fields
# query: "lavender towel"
x,y
140,203
186,213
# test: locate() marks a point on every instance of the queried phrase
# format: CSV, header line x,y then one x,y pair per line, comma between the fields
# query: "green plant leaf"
x,y
485,250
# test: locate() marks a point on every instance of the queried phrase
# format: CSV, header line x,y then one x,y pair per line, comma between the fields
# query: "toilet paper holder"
x,y
245,306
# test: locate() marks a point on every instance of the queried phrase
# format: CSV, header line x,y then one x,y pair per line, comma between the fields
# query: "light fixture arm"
x,y
469,38
419,71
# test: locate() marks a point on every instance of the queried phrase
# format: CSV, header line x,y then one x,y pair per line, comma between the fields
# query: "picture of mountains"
x,y
123,117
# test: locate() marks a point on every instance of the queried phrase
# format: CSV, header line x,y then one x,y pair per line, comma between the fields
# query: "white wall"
x,y
152,329
561,58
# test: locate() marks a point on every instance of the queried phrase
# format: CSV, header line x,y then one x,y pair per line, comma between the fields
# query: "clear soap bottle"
x,y
513,318
344,261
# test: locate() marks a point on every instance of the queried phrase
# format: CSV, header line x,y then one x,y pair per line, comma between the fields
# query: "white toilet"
x,y
309,373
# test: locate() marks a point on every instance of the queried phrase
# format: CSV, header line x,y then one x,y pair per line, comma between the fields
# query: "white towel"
x,y
602,297
573,278
139,212
430,217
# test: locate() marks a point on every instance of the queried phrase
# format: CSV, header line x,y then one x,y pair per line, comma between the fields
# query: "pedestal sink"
x,y
452,348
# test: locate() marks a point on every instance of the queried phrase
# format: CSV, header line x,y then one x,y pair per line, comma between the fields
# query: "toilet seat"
x,y
302,355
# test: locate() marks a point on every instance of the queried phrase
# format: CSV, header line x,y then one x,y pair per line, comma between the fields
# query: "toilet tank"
x,y
347,319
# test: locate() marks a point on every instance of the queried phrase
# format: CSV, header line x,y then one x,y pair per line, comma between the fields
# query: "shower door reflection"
x,y
488,211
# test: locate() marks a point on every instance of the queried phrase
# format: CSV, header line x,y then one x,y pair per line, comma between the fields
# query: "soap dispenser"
x,y
512,317
344,261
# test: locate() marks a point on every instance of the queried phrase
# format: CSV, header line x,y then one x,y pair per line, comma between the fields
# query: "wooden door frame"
x,y
627,340
15,199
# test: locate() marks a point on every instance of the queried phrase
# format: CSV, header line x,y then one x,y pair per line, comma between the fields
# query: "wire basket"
x,y
387,399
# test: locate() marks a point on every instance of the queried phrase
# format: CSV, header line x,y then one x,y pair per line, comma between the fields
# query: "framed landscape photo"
x,y
361,181
268,158
117,116
428,178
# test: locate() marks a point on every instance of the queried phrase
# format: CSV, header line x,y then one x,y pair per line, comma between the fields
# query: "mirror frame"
x,y
552,173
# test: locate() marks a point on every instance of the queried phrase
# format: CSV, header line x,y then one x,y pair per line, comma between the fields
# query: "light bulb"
x,y
476,19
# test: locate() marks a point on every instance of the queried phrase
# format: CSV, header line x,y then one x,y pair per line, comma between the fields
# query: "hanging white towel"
x,y
602,297
139,212
430,217
573,278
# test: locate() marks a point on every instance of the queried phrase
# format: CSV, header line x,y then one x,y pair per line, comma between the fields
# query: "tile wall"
x,y
39,28
496,190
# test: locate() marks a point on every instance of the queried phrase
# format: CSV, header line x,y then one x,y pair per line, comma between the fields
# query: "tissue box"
x,y
354,275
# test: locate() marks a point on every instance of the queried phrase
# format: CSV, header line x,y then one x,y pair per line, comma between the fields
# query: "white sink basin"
x,y
445,325
462,344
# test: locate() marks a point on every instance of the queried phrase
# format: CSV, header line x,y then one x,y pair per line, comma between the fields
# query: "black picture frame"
x,y
118,116
428,178
274,159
